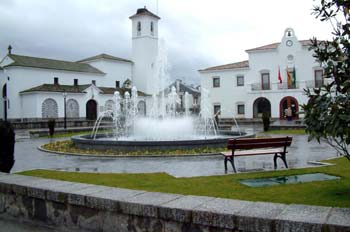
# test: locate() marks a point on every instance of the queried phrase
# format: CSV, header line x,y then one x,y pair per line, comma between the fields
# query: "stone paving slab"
x,y
339,220
61,193
259,216
302,218
146,204
219,212
77,197
109,198
181,208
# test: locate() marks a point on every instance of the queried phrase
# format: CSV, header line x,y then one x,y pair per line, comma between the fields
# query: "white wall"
x,y
25,78
115,71
144,54
228,95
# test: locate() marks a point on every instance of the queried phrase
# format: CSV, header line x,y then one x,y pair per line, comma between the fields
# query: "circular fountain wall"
x,y
103,142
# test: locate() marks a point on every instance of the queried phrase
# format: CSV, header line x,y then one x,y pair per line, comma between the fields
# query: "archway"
x,y
91,110
289,102
109,105
72,108
260,106
4,98
141,108
49,108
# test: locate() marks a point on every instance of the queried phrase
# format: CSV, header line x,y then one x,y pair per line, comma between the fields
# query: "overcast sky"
x,y
197,33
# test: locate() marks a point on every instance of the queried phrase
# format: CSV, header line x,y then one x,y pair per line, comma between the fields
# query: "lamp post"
x,y
65,109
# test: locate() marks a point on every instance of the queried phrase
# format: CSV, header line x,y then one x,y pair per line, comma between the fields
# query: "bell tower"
x,y
144,49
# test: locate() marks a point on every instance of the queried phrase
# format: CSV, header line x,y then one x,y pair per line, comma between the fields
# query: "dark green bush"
x,y
51,124
266,120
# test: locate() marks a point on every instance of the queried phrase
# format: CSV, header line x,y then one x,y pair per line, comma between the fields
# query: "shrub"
x,y
266,120
51,124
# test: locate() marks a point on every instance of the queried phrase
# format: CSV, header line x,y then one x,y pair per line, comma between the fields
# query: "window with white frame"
x,y
217,109
240,109
138,28
216,82
318,78
265,81
240,80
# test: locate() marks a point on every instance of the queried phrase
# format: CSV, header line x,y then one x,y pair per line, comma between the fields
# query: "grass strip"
x,y
335,193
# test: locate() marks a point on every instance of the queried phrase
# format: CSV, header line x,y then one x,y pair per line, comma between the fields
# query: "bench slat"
x,y
254,152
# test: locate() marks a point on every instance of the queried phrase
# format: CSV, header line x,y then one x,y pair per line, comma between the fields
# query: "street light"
x,y
65,109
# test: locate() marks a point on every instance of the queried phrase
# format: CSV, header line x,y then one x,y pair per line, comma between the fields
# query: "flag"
x,y
294,80
289,79
279,75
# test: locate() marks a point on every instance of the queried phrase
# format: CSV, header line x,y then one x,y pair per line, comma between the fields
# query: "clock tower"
x,y
144,49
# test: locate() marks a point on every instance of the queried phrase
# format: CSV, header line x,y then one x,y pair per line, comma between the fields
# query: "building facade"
x,y
40,88
272,80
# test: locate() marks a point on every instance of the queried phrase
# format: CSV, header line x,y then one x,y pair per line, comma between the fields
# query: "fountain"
x,y
163,128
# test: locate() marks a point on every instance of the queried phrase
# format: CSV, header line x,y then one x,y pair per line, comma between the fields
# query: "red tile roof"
x,y
242,64
275,45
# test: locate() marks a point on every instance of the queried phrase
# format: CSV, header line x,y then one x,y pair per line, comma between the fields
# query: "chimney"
x,y
9,49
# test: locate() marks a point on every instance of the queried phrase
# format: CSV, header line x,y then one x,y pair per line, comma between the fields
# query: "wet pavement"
x,y
29,157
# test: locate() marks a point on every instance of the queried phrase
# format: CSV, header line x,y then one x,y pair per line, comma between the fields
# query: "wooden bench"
x,y
257,146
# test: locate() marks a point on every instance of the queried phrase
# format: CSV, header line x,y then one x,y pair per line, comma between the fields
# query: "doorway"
x,y
289,102
91,110
260,106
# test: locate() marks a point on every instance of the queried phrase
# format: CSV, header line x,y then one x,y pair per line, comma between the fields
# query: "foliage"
x,y
327,114
67,146
333,193
266,120
51,124
285,132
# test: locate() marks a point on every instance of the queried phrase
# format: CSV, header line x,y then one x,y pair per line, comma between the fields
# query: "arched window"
x,y
109,105
152,29
49,108
72,108
139,28
141,108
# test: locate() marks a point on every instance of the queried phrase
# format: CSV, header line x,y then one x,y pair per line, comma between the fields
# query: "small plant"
x,y
51,124
266,120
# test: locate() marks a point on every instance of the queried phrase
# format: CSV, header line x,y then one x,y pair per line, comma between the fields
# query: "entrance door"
x,y
289,102
91,110
260,106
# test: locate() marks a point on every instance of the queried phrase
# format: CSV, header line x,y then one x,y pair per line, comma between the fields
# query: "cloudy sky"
x,y
197,33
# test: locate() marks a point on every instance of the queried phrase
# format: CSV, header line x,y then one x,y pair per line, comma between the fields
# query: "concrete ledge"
x,y
75,206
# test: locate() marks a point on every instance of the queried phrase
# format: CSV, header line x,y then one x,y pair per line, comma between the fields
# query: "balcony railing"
x,y
259,87
273,86
284,85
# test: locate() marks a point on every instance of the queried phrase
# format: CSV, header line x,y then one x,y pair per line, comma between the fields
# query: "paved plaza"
x,y
28,157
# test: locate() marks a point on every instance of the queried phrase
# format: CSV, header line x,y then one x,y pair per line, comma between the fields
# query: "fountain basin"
x,y
103,142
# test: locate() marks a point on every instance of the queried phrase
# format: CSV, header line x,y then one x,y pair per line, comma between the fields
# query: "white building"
x,y
246,89
36,88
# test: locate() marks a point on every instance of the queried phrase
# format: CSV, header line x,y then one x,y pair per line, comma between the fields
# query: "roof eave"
x,y
28,66
223,70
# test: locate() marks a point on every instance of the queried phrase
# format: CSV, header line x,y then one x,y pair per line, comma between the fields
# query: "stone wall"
x,y
75,206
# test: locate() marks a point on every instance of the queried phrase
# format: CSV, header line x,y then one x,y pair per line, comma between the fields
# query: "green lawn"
x,y
326,193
